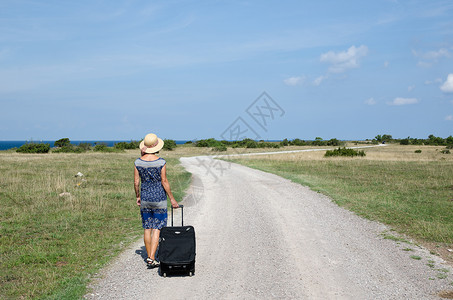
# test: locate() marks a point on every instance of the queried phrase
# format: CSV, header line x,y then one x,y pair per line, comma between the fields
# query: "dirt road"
x,y
261,236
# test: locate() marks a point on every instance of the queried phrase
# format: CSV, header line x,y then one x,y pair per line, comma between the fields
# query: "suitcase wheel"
x,y
165,275
190,274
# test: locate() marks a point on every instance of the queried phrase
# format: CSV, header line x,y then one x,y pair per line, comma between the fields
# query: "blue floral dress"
x,y
153,207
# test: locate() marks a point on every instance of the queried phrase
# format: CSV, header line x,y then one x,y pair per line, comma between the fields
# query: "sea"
x,y
5,145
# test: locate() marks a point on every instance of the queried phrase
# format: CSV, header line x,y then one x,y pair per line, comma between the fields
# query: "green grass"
x,y
414,197
50,244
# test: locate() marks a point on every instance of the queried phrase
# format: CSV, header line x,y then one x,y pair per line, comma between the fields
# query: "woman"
x,y
152,193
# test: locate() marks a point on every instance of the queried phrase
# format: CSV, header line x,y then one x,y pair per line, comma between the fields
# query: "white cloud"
x,y
292,81
449,118
403,101
370,101
344,60
430,57
447,86
410,88
424,64
437,80
318,80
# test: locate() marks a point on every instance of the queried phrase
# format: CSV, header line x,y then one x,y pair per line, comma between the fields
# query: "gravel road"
x,y
262,236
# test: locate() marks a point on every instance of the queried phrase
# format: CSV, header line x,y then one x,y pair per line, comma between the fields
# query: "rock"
x,y
64,194
79,174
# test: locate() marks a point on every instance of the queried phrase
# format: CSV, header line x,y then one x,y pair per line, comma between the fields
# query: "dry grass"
x,y
49,244
412,192
390,152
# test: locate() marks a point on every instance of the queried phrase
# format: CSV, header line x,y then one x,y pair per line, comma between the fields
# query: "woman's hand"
x,y
174,204
138,201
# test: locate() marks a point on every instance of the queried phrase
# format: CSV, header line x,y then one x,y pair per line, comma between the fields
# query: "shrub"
x,y
102,147
333,142
435,140
267,145
251,144
62,142
445,151
416,141
404,141
219,148
284,143
85,146
449,140
344,152
318,142
418,151
202,143
69,149
34,148
298,142
383,138
126,145
169,144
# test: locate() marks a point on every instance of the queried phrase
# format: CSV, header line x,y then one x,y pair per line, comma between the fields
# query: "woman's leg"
x,y
154,242
148,242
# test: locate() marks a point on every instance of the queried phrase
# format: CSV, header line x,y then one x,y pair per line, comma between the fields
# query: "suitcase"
x,y
177,249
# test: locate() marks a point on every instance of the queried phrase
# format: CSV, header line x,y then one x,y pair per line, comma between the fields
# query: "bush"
x,y
445,151
418,151
383,138
69,149
219,148
298,142
202,143
34,148
102,147
267,145
333,142
126,145
169,144
284,143
318,142
344,152
85,146
404,141
62,142
251,144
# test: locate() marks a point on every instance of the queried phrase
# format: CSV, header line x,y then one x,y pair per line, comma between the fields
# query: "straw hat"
x,y
151,143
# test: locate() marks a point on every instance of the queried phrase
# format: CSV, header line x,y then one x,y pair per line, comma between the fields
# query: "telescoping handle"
x,y
182,215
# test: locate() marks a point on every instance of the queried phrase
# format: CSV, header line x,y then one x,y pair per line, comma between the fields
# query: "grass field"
x,y
50,244
412,192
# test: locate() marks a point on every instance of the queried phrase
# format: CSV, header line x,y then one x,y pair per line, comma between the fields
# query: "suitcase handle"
x,y
182,215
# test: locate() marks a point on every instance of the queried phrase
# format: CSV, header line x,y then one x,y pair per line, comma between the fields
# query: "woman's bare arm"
x,y
137,185
167,188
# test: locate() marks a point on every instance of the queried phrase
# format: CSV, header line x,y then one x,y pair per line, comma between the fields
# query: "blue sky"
x,y
102,70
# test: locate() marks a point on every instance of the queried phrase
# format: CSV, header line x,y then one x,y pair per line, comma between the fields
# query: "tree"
x,y
62,142
386,137
169,144
333,142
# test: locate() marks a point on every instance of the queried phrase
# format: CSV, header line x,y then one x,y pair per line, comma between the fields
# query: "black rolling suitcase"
x,y
177,249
